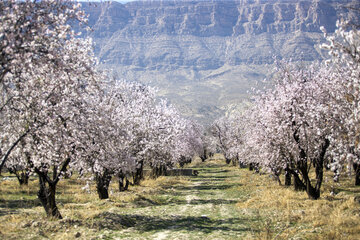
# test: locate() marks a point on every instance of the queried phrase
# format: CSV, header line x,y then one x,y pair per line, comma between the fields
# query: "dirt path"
x,y
205,208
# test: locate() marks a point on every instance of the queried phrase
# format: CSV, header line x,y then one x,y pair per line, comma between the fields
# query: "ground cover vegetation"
x,y
222,202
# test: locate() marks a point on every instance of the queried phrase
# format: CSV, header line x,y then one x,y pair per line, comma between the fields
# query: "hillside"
x,y
205,55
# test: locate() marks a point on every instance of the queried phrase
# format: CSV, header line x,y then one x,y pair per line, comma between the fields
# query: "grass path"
x,y
203,208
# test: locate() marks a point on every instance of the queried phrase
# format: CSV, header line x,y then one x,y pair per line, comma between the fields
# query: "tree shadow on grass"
x,y
19,203
6,211
206,186
114,221
143,201
212,171
204,201
13,206
209,179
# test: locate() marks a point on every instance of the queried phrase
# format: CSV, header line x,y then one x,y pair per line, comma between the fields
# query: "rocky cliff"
x,y
212,48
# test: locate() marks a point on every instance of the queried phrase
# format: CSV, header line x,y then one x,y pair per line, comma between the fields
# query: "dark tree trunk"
x,y
121,183
287,177
102,184
227,160
138,176
298,184
234,161
242,165
159,171
357,174
22,176
47,187
204,155
318,162
185,160
162,170
46,195
277,178
251,167
123,186
126,184
314,192
254,167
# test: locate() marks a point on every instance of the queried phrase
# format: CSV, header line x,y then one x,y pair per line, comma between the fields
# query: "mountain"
x,y
205,55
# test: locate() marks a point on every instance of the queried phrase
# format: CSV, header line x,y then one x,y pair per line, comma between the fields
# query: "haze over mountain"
x,y
205,55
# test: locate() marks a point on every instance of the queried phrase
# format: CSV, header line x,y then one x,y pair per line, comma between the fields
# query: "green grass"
x,y
222,202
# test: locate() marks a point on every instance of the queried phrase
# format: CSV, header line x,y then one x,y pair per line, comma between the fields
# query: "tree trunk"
x,y
163,170
227,160
46,195
318,162
241,164
22,176
234,161
121,183
122,186
298,184
126,184
158,171
204,155
277,178
314,192
138,176
357,174
102,185
287,177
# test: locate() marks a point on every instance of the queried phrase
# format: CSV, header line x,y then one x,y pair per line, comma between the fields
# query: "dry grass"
x,y
22,215
264,210
287,214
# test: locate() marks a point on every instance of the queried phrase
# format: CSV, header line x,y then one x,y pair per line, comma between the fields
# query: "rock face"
x,y
201,44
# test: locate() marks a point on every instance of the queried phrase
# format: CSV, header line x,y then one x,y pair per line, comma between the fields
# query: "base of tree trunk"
x,y
287,178
123,186
158,171
298,184
242,165
102,185
138,175
312,192
357,174
23,179
22,175
46,195
251,167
